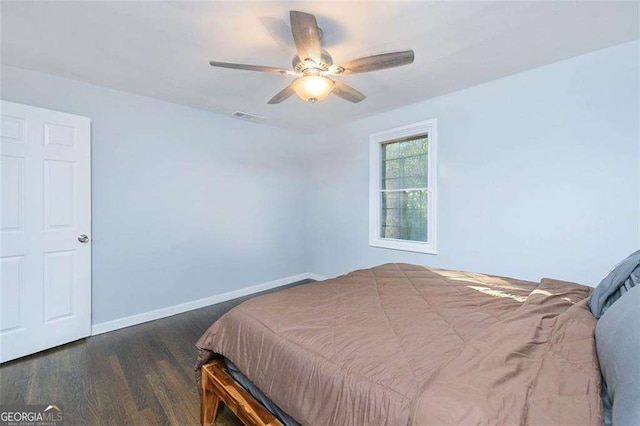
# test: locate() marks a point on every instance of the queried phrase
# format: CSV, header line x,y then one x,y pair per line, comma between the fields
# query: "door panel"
x,y
59,196
63,136
45,292
59,282
12,190
12,129
12,284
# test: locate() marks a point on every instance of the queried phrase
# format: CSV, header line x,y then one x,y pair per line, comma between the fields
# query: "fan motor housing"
x,y
302,65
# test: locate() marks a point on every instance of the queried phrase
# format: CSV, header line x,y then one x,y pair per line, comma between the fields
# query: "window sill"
x,y
403,245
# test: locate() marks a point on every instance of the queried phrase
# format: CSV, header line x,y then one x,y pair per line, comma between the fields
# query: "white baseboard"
x,y
312,276
105,327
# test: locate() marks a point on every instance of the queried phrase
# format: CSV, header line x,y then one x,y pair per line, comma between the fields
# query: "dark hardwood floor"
x,y
138,375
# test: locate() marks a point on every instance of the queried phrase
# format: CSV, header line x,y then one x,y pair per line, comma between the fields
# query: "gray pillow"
x,y
622,278
618,345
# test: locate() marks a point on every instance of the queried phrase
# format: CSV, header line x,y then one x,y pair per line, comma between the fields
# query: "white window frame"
x,y
376,141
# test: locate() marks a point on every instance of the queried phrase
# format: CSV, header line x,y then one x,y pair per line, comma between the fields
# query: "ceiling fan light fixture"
x,y
310,63
313,88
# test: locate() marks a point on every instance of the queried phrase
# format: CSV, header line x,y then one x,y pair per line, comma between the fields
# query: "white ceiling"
x,y
162,49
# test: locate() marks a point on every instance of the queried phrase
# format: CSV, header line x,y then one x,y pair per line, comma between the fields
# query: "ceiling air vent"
x,y
247,117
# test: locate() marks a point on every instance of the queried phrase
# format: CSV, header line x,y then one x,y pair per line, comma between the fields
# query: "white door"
x,y
45,197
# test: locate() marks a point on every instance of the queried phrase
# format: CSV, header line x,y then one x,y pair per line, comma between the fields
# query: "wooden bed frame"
x,y
218,386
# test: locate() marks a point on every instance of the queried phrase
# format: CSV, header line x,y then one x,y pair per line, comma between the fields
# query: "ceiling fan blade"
x,y
378,62
347,92
279,31
306,35
281,95
249,67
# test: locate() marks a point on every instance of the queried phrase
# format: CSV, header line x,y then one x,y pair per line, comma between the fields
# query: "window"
x,y
402,194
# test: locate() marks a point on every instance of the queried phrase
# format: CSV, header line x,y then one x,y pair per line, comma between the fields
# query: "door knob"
x,y
83,238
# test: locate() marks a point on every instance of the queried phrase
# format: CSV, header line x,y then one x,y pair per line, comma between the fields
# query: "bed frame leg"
x,y
209,401
218,386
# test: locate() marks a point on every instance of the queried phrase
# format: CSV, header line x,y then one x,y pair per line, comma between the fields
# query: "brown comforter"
x,y
404,344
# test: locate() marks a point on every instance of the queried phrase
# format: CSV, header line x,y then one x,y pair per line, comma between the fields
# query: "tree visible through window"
x,y
404,189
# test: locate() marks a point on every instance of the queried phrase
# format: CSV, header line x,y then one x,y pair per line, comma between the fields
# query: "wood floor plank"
x,y
125,397
185,397
139,375
164,395
138,384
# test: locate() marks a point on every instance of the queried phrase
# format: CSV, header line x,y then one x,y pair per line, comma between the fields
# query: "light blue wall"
x,y
538,175
186,204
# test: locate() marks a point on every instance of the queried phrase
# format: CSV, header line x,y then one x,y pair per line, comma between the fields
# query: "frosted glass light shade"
x,y
313,88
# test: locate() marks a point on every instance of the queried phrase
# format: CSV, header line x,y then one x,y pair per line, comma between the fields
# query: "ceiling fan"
x,y
312,65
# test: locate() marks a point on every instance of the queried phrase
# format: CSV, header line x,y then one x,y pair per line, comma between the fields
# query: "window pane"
x,y
414,182
390,151
415,146
392,169
393,183
404,215
405,164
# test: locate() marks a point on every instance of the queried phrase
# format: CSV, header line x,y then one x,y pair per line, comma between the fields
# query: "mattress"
x,y
405,344
257,394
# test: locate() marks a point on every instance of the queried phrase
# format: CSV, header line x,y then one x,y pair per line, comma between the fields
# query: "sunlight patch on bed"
x,y
542,292
495,282
497,293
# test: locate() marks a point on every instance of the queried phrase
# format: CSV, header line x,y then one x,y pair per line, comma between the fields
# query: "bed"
x,y
406,344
